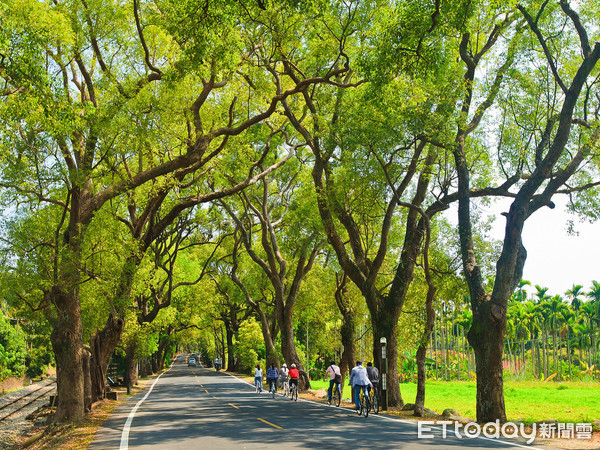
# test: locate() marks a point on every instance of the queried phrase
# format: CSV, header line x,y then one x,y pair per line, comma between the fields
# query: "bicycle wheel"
x,y
337,397
367,405
375,403
295,393
361,408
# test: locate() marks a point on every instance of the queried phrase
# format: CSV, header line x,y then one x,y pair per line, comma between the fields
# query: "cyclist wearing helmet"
x,y
294,375
284,374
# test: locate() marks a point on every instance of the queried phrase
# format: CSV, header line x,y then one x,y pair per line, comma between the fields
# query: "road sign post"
x,y
384,402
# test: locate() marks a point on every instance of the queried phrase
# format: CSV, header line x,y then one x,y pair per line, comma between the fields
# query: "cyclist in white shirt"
x,y
335,379
284,375
359,380
258,377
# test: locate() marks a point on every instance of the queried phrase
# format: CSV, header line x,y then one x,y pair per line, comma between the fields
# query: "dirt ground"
x,y
12,384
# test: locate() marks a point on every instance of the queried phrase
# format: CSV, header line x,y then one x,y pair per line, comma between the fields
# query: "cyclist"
x,y
373,374
272,374
335,378
294,376
359,380
284,374
258,377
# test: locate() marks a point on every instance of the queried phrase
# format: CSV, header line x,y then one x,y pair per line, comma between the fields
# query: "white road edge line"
x,y
125,434
386,417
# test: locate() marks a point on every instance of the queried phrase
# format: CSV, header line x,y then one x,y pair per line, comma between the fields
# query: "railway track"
x,y
23,401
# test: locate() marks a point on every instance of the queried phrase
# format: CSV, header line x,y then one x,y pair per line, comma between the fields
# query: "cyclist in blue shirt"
x,y
272,375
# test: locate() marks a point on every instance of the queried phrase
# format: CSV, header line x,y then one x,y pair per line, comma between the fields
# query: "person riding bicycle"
x,y
284,374
335,378
359,380
258,377
294,376
272,374
373,374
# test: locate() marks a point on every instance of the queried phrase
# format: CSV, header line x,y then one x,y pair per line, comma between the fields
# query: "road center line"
x,y
205,391
231,404
269,423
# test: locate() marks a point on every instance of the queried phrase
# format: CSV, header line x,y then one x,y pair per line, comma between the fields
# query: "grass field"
x,y
528,401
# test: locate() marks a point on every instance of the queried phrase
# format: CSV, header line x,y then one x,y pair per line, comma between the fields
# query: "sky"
x,y
556,259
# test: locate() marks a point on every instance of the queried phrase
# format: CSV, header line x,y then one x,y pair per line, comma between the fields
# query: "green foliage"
x,y
250,347
38,360
12,349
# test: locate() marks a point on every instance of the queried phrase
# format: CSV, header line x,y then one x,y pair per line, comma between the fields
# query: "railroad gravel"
x,y
18,424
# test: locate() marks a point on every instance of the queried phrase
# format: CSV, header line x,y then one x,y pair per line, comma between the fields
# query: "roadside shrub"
x,y
37,362
12,349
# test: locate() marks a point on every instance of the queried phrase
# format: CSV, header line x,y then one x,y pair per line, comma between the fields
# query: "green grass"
x,y
529,401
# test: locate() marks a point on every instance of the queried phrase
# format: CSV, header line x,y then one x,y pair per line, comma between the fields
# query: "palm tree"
x,y
556,307
531,319
517,331
520,295
594,295
582,332
589,315
569,321
574,293
541,293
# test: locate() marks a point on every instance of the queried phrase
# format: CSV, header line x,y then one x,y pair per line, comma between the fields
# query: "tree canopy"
x,y
265,180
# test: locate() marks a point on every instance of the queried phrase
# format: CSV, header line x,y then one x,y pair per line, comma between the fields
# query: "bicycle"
x,y
365,403
258,386
285,387
294,392
273,387
337,395
374,399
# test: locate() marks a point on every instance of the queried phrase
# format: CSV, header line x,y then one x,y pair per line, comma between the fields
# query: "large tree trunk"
x,y
422,350
272,354
161,354
386,327
487,339
231,365
87,382
67,344
347,331
288,349
103,345
154,362
131,365
348,354
145,368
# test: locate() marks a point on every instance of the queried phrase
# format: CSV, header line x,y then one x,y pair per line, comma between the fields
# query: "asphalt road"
x,y
190,408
